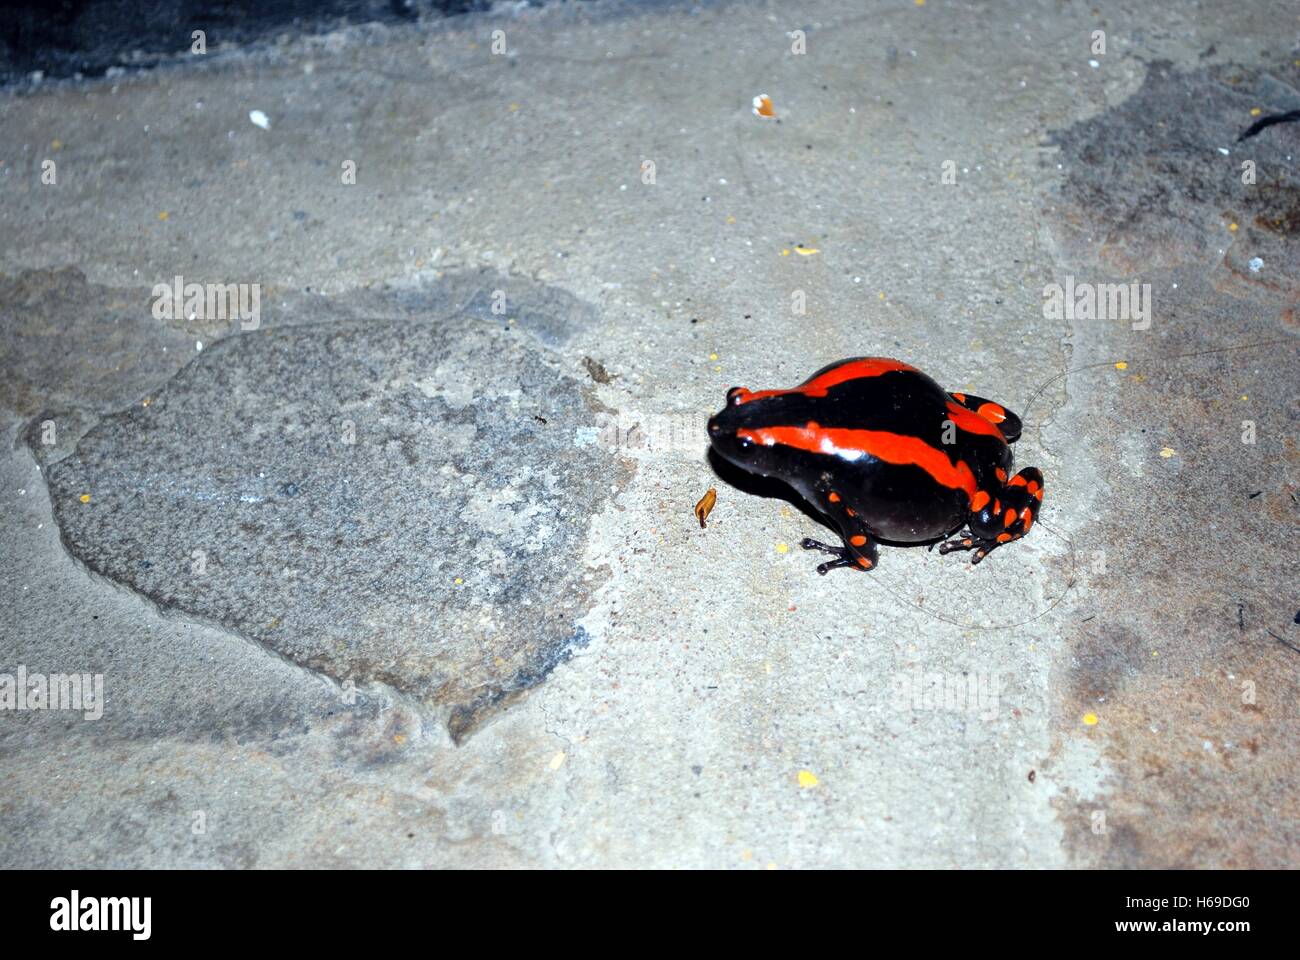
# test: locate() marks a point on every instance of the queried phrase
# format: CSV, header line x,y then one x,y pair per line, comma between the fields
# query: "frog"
x,y
883,454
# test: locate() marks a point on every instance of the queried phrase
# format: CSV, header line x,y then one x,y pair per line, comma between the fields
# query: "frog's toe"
x,y
829,565
966,541
981,546
860,555
808,543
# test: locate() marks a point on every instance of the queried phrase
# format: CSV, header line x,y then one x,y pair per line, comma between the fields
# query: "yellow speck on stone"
x,y
785,512
1089,719
767,666
1255,111
1121,365
920,3
747,855
731,219
780,547
806,251
771,865
146,401
163,215
1232,228
458,581
399,738
808,779
713,356
785,253
1167,452
56,145
557,761
84,498
275,622
1155,653
718,368
1244,397
881,295
514,107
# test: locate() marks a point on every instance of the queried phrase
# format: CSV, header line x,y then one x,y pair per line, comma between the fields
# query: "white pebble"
x,y
259,119
1255,264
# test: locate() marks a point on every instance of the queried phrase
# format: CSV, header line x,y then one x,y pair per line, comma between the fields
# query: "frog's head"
x,y
748,432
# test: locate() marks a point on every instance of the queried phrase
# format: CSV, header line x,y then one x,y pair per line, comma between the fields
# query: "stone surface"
x,y
400,501
1161,180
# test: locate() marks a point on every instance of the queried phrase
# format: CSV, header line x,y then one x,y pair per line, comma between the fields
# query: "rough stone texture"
x,y
1160,181
1195,664
401,501
730,708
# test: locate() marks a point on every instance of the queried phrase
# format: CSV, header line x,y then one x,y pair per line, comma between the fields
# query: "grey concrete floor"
x,y
450,606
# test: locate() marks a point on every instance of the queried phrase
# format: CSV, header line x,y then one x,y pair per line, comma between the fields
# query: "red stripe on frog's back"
x,y
820,382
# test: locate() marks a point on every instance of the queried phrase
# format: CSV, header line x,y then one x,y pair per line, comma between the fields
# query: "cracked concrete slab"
x,y
1128,670
393,501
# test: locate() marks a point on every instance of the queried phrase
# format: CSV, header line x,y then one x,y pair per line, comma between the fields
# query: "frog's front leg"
x,y
859,548
998,518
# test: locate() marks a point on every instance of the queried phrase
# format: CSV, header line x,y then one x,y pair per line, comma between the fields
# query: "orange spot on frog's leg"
x,y
979,501
858,540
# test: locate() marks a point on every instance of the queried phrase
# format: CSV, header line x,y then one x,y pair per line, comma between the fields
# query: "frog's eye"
x,y
736,395
744,446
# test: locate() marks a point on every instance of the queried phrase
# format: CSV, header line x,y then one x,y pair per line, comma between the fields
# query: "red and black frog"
x,y
885,454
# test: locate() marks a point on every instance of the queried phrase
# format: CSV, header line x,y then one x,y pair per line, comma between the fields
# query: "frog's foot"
x,y
995,520
859,548
994,413
860,555
968,541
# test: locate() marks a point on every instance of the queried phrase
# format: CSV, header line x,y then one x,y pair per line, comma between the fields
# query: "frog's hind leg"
x,y
994,413
1001,518
859,548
